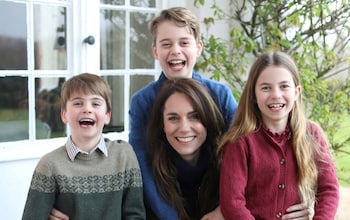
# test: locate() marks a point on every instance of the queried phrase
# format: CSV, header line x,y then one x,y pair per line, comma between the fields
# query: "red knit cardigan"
x,y
259,178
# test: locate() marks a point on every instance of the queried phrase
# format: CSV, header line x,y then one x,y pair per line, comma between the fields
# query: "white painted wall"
x,y
14,184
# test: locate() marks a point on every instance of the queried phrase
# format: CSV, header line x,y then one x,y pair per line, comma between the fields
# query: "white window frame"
x,y
81,22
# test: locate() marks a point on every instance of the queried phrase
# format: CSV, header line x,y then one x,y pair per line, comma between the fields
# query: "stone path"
x,y
343,212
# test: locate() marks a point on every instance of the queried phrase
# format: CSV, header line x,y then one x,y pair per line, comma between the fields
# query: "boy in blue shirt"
x,y
176,45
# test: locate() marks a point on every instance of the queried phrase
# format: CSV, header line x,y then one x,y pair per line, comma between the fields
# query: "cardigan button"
x,y
279,215
281,186
282,161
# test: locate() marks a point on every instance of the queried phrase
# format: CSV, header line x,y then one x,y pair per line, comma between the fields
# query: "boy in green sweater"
x,y
90,177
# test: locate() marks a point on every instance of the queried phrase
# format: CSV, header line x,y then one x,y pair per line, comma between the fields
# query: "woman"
x,y
183,130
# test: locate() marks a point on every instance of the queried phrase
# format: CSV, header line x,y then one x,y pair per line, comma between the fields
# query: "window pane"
x,y
50,37
48,107
117,120
113,2
112,24
13,108
140,41
139,81
13,36
143,3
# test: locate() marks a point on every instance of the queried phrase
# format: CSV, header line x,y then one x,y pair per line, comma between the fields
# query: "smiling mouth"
x,y
186,139
176,62
275,106
87,122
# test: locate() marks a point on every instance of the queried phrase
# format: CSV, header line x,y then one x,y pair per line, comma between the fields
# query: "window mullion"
x,y
31,67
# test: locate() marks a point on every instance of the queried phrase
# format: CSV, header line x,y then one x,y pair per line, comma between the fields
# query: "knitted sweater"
x,y
92,186
259,178
140,106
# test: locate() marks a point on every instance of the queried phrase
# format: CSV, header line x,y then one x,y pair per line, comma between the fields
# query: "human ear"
x,y
155,52
297,92
108,118
63,116
199,48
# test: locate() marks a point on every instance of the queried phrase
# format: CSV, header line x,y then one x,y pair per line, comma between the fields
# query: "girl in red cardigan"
x,y
275,163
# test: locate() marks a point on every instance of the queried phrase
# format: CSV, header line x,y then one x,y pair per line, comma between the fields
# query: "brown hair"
x,y
164,171
182,17
86,83
248,119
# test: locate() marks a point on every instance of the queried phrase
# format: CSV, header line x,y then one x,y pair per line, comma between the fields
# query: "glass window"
x,y
36,58
50,37
139,81
112,25
143,3
48,107
13,36
113,2
30,105
14,108
117,117
140,41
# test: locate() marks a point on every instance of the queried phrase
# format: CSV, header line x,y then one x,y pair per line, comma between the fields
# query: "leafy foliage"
x,y
315,33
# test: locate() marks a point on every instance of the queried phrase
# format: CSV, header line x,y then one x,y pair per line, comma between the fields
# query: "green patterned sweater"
x,y
92,187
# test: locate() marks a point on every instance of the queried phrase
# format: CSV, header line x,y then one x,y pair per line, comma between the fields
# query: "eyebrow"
x,y
168,39
282,82
188,113
94,98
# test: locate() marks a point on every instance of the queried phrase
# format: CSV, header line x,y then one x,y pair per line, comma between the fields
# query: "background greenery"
x,y
315,33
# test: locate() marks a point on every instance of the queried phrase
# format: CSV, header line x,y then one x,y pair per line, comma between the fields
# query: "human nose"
x,y
87,108
276,93
185,125
175,50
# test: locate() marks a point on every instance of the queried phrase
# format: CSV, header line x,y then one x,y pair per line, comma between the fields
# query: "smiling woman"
x,y
184,127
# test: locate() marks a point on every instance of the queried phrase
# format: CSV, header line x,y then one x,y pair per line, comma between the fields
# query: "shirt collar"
x,y
195,75
73,150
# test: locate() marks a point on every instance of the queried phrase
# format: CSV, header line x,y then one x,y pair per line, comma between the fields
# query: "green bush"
x,y
315,33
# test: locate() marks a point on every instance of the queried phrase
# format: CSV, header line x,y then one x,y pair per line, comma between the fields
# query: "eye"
x,y
285,86
78,103
172,118
194,116
185,43
166,45
97,104
265,88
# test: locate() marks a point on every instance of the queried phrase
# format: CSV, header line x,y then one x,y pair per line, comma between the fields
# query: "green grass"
x,y
342,160
13,114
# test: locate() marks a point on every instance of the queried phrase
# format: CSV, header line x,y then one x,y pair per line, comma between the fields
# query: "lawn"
x,y
342,160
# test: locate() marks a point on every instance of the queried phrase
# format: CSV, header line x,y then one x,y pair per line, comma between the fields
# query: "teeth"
x,y
176,62
276,105
86,121
187,139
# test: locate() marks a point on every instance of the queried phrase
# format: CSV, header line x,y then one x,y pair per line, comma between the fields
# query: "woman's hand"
x,y
213,215
57,215
299,212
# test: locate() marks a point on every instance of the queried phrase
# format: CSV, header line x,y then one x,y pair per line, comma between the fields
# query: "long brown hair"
x,y
164,171
248,119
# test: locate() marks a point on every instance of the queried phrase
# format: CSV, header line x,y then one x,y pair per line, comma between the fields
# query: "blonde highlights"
x,y
248,119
